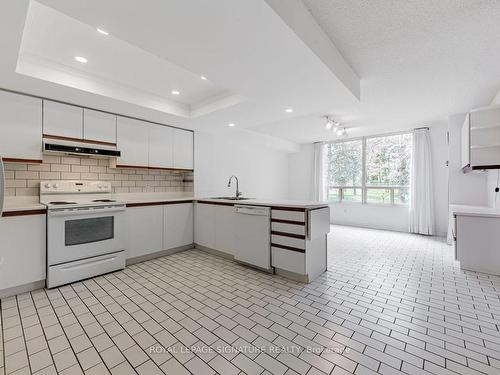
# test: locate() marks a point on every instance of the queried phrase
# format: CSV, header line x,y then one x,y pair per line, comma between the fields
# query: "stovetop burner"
x,y
104,200
61,203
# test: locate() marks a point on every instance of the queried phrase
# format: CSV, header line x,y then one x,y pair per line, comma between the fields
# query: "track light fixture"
x,y
334,126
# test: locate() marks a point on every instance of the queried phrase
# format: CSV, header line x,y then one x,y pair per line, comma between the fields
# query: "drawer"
x,y
288,241
288,260
289,228
289,215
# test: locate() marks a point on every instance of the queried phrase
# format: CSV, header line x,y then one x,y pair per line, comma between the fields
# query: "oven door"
x,y
81,233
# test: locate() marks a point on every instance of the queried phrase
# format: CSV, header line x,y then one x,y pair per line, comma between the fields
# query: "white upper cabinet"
x,y
62,120
183,149
481,139
99,126
160,146
132,139
20,126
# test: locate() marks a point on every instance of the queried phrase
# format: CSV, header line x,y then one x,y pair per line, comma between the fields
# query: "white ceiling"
x,y
115,68
242,46
418,61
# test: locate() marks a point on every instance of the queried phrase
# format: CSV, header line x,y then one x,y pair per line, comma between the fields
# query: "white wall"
x,y
493,182
301,174
464,188
262,170
375,215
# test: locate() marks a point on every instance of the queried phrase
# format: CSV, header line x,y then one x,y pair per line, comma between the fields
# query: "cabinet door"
x,y
225,219
132,140
145,230
160,146
177,225
22,250
204,225
99,126
183,149
62,120
20,126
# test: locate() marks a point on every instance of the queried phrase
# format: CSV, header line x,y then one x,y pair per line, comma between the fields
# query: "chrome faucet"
x,y
238,192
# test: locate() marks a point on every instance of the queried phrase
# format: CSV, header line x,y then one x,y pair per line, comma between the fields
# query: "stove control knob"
x,y
47,186
56,186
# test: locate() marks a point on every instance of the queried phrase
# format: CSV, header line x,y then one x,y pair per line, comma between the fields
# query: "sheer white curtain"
x,y
320,172
421,195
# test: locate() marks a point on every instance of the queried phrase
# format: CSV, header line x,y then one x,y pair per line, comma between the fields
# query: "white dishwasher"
x,y
253,236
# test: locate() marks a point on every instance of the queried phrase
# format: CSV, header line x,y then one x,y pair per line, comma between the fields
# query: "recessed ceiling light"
x,y
103,32
81,59
175,92
203,78
289,110
231,125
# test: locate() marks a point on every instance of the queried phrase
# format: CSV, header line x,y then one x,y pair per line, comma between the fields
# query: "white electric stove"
x,y
86,230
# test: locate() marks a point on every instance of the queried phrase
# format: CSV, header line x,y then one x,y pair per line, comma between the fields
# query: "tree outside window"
x,y
382,177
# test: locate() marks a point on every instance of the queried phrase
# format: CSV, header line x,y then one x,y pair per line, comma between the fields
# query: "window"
x,y
388,169
370,170
345,177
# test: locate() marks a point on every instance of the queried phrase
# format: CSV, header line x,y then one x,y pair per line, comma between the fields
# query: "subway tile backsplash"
x,y
24,179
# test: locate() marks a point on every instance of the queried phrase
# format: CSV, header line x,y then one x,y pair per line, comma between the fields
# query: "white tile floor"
x,y
390,303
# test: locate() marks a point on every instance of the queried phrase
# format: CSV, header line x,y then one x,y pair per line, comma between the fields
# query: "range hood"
x,y
79,148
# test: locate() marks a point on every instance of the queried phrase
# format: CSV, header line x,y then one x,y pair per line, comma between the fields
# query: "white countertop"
x,y
20,203
269,202
131,198
474,210
32,203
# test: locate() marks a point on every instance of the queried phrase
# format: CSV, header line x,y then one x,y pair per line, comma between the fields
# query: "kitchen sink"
x,y
232,198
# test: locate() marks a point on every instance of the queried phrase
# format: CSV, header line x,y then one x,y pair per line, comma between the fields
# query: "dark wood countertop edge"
x,y
24,212
159,203
287,234
249,203
288,248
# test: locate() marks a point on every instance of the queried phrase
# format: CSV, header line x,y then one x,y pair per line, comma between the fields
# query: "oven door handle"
x,y
86,211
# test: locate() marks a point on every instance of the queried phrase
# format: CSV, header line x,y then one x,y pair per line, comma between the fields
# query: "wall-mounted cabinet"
x,y
161,140
147,145
132,139
481,139
20,127
62,120
99,126
183,146
73,123
26,120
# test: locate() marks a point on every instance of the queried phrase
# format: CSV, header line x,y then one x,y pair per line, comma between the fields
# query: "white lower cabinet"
x,y
225,231
145,230
22,250
204,224
177,225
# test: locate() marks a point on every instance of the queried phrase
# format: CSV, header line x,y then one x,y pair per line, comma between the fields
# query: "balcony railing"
x,y
387,194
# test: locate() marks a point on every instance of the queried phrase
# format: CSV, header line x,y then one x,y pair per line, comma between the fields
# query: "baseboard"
x,y
158,254
214,252
9,292
292,275
379,227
